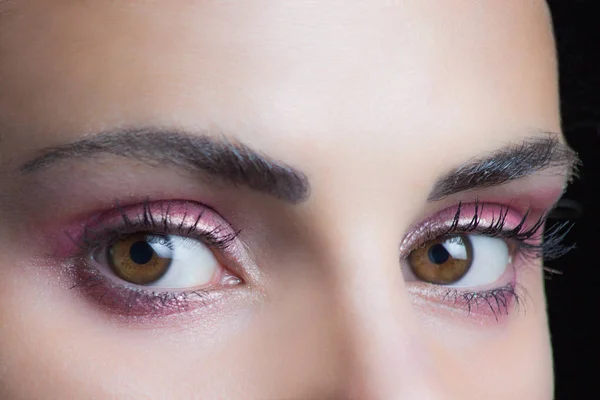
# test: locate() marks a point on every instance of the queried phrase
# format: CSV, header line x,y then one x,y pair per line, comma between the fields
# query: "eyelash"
x,y
497,300
529,240
107,236
528,246
129,300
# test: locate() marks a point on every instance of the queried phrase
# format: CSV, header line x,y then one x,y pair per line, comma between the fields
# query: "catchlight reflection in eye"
x,y
168,261
461,260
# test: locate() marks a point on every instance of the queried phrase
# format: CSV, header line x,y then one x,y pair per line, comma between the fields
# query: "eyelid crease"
x,y
155,218
191,221
528,236
492,303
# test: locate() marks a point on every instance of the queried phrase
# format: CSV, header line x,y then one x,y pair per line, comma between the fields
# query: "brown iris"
x,y
443,261
135,259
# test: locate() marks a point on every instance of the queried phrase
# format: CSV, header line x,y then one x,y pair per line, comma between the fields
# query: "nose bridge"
x,y
386,354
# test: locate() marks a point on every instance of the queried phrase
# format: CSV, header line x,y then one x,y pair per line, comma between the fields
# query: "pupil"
x,y
438,254
141,252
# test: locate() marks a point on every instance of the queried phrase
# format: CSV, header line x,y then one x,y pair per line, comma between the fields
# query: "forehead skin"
x,y
358,95
289,70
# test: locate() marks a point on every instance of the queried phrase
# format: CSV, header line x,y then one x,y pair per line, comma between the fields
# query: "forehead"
x,y
282,75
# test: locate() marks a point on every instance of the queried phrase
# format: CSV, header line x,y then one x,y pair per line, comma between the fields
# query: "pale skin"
x,y
372,101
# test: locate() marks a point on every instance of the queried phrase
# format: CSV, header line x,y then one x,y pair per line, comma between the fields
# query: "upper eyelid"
x,y
108,236
178,217
438,226
218,237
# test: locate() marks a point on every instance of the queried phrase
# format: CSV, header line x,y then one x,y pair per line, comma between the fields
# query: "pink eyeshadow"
x,y
66,241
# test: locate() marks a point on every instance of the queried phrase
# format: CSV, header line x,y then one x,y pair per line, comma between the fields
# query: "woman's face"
x,y
268,200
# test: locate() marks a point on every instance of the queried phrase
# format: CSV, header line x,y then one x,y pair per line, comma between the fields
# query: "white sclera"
x,y
490,259
456,248
193,264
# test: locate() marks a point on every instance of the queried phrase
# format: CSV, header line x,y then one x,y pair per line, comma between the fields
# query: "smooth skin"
x,y
372,100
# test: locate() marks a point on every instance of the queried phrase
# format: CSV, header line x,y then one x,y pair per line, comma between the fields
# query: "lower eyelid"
x,y
488,302
488,306
138,302
118,297
131,301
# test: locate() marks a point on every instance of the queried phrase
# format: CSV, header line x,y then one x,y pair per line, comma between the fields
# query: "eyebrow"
x,y
233,163
507,164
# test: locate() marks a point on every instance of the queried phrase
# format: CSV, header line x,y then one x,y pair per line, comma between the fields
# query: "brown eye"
x,y
442,261
162,261
136,258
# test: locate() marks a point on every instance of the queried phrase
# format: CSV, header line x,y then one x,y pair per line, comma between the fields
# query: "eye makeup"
x,y
83,241
479,306
494,220
522,232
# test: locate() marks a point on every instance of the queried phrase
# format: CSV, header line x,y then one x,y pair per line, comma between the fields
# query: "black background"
x,y
574,296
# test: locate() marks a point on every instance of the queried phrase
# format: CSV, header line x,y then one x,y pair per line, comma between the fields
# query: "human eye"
x,y
461,260
469,256
156,259
162,261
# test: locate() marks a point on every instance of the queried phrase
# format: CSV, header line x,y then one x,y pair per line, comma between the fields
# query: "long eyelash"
x,y
153,219
497,300
550,248
149,222
500,301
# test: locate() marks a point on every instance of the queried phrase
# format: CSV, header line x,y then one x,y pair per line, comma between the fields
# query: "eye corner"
x,y
201,243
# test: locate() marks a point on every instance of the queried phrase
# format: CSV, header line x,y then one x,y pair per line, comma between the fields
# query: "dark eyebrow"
x,y
233,162
515,161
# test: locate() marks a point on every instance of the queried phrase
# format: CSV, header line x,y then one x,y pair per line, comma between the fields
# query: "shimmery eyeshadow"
x,y
183,218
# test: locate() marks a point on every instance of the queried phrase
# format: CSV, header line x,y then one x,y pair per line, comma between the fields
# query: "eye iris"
x,y
442,261
136,260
